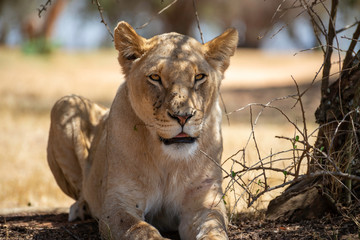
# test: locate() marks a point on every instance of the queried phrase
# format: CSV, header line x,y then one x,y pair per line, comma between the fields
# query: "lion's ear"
x,y
129,44
219,50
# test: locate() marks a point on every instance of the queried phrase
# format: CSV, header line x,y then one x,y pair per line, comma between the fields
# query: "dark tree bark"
x,y
338,137
338,116
337,148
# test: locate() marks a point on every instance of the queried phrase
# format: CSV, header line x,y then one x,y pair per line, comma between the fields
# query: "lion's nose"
x,y
181,118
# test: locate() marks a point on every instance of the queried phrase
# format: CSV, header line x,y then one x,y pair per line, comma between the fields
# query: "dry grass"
x,y
30,85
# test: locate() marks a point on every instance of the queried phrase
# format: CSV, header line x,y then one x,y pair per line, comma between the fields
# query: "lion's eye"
x,y
199,77
155,78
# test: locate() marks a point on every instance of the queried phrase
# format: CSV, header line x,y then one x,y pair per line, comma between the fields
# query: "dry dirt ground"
x,y
54,225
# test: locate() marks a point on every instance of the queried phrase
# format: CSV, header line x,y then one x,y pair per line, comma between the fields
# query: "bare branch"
x,y
328,53
264,106
347,27
257,148
161,11
43,7
198,21
100,9
225,109
353,43
305,133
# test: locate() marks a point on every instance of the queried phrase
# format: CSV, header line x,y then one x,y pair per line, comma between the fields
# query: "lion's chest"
x,y
163,203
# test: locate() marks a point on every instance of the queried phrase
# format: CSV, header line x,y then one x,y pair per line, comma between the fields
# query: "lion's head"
x,y
173,82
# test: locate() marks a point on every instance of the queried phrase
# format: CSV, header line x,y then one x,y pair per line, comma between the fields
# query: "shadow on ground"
x,y
247,226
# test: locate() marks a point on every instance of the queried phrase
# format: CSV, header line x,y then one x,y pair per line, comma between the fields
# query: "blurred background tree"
x,y
19,21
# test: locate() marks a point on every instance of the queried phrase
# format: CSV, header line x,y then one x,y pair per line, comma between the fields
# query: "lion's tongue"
x,y
181,135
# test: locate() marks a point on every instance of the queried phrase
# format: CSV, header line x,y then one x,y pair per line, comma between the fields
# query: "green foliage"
x,y
223,198
296,139
38,46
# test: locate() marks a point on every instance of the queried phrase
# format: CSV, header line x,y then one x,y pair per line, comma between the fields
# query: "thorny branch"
x,y
43,7
328,53
100,9
261,165
198,22
294,169
305,131
161,11
355,39
257,148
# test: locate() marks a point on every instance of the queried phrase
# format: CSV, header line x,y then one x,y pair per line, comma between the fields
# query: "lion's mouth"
x,y
180,138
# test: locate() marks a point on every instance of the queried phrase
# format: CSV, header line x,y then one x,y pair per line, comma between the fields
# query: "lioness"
x,y
150,162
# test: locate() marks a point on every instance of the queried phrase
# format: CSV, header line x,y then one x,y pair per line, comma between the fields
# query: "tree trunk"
x,y
337,148
338,138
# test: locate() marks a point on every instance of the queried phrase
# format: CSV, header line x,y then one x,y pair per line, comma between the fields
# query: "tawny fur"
x,y
114,162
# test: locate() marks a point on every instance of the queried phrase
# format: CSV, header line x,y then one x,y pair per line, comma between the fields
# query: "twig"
x,y
217,164
355,134
247,169
153,17
278,10
225,109
284,25
100,9
316,21
222,169
43,7
271,107
198,21
256,166
332,35
354,41
257,148
351,39
342,175
241,150
305,133
338,127
328,53
347,27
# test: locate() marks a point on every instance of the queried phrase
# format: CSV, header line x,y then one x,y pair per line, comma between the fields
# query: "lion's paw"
x,y
78,211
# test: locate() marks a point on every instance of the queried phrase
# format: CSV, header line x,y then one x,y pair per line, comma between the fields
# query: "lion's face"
x,y
171,88
173,84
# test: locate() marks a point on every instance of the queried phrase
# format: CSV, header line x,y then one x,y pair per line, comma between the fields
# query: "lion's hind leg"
x,y
73,125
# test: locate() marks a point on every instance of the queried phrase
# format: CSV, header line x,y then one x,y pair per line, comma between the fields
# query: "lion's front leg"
x,y
120,224
209,224
205,218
